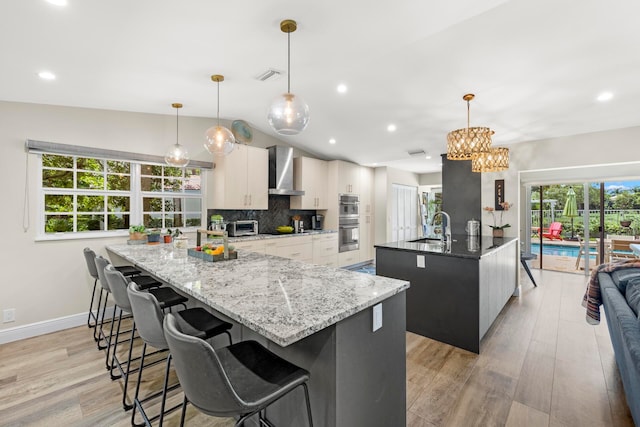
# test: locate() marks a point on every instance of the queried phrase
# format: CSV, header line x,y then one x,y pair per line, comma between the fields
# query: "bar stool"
x,y
240,380
118,286
148,317
90,259
168,296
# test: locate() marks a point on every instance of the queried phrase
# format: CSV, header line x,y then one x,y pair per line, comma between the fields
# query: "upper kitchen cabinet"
x,y
348,177
310,175
240,180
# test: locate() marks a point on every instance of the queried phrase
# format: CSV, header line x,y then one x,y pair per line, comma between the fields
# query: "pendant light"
x,y
289,114
219,140
496,160
463,144
177,155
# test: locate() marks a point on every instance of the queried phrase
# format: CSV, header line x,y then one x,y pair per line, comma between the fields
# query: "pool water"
x,y
556,250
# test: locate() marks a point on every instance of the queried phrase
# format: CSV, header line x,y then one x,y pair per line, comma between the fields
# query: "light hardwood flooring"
x,y
540,364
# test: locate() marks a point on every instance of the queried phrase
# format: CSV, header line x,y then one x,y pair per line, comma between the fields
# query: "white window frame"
x,y
135,206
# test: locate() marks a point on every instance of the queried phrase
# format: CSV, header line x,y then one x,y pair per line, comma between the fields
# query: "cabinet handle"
x,y
296,254
249,199
245,200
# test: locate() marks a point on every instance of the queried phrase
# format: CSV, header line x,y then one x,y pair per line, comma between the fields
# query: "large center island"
x,y
319,318
456,291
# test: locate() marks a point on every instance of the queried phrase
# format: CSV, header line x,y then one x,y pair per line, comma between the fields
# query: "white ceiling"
x,y
536,66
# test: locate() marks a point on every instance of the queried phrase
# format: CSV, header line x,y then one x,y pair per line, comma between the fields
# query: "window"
x,y
81,195
171,197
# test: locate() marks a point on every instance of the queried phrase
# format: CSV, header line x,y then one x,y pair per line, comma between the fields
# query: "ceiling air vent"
x,y
269,75
416,152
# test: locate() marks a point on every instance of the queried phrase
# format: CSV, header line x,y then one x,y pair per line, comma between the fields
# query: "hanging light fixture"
x,y
288,114
177,155
496,160
462,144
219,140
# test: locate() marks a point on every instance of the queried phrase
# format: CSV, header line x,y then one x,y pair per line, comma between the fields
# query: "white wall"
x,y
49,280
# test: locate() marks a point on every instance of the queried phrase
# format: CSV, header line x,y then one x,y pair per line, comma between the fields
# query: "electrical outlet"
x,y
9,315
377,317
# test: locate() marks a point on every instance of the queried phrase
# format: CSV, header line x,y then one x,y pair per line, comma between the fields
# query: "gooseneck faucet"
x,y
445,236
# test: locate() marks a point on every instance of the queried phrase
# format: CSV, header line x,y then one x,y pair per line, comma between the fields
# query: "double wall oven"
x,y
349,223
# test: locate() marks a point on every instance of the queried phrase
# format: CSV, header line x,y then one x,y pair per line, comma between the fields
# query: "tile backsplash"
x,y
279,213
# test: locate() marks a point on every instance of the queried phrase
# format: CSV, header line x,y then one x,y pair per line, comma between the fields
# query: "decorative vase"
x,y
498,232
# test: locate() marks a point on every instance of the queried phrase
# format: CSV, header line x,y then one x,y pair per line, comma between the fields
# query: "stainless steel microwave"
x,y
242,228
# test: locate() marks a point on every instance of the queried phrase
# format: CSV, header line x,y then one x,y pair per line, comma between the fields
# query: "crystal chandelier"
x,y
219,140
462,144
177,155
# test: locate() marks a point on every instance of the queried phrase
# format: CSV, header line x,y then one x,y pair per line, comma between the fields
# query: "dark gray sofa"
x,y
620,291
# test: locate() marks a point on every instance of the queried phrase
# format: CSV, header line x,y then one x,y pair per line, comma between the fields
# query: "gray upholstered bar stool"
x,y
148,317
168,297
90,259
240,380
118,286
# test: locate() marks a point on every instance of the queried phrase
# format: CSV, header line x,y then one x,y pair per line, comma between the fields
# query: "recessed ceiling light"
x,y
46,75
391,128
332,141
342,88
428,157
58,2
604,96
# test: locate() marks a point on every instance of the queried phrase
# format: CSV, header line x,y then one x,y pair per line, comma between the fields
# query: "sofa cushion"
x,y
632,294
621,277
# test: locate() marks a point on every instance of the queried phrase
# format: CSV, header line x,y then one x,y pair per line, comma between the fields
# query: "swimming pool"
x,y
556,250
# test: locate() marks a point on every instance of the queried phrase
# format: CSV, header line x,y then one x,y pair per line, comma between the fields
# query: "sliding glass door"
x,y
576,226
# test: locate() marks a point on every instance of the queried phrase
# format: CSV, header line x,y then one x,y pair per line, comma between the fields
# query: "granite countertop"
x,y
281,299
264,236
461,247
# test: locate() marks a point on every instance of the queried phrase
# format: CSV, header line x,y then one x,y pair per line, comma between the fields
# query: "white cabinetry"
x,y
310,175
348,177
325,249
250,245
366,214
298,248
240,180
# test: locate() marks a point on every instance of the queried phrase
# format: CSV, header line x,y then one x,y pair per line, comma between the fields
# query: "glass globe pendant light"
x,y
288,114
177,155
219,140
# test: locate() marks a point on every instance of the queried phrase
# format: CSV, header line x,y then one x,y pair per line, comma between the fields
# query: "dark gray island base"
x,y
455,295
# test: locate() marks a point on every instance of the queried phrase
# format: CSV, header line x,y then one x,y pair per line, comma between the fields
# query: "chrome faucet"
x,y
445,236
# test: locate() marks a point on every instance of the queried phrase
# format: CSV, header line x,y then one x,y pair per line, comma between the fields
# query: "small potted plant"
x,y
137,232
498,229
171,234
153,235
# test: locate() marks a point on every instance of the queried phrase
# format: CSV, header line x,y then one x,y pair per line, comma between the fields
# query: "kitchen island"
x,y
457,291
317,317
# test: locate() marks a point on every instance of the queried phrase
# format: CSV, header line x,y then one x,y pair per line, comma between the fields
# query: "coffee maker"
x,y
316,222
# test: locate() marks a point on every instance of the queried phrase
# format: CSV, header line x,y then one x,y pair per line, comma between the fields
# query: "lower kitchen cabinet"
x,y
325,249
251,245
348,258
298,248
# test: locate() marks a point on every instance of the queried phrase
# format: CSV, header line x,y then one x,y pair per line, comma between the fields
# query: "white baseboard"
x,y
46,327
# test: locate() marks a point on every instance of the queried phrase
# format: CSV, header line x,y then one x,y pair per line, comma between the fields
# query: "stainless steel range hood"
x,y
281,171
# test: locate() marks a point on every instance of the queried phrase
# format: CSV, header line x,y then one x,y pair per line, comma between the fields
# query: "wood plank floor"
x,y
541,364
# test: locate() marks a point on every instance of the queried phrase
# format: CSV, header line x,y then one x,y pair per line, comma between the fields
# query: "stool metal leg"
x,y
91,315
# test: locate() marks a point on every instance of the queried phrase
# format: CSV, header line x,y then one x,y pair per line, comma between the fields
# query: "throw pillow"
x,y
632,294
